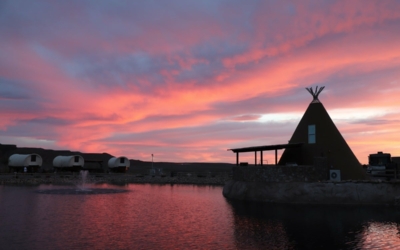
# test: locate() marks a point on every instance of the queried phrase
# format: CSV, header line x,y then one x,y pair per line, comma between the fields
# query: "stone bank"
x,y
342,193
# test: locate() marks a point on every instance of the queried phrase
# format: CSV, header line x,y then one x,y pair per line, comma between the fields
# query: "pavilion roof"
x,y
266,147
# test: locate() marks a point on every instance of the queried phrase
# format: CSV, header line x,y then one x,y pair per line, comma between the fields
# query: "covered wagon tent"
x,y
68,163
18,162
118,164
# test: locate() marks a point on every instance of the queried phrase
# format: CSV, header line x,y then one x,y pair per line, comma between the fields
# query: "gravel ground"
x,y
119,179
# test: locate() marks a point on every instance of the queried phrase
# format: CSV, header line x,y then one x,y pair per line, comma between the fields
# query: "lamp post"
x,y
152,166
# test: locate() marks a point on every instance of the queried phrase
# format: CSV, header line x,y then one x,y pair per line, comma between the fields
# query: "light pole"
x,y
152,166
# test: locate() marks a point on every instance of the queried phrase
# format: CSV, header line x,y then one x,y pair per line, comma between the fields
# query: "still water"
x,y
183,217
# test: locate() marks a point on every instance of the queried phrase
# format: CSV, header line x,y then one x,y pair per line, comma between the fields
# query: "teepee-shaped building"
x,y
321,138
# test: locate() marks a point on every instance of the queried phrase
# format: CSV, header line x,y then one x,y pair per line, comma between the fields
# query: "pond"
x,y
144,216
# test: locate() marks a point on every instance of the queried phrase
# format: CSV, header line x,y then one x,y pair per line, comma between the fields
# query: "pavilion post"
x,y
261,152
237,158
255,157
276,156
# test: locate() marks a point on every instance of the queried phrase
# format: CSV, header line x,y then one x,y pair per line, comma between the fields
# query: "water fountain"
x,y
81,187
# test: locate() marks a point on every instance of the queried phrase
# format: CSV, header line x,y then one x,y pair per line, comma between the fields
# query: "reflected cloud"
x,y
378,235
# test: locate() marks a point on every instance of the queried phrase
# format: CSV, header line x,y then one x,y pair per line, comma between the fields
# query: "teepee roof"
x,y
321,138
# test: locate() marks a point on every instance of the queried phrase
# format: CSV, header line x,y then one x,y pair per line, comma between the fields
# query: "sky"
x,y
185,80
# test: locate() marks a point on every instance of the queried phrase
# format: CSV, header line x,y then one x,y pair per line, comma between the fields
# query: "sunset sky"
x,y
187,80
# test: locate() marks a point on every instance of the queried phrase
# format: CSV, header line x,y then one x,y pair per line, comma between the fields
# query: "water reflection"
x,y
251,233
378,235
145,217
315,227
184,217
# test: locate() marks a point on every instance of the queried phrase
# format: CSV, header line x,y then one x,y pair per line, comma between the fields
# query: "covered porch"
x,y
261,149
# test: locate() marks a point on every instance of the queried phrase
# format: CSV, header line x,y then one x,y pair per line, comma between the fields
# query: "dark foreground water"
x,y
182,217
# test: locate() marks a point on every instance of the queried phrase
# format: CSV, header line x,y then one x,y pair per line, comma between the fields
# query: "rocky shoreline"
x,y
326,192
115,179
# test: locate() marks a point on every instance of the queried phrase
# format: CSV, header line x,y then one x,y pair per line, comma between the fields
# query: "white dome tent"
x,y
68,162
118,164
25,162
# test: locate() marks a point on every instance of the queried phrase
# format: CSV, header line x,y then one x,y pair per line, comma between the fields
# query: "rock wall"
x,y
275,173
307,185
355,193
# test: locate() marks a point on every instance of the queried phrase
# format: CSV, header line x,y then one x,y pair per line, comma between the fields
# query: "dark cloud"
x,y
11,89
20,97
49,121
141,70
40,129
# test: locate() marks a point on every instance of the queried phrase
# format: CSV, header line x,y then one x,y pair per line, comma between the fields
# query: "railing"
x,y
394,173
389,173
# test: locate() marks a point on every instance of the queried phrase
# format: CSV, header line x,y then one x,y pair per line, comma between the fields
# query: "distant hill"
x,y
140,166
